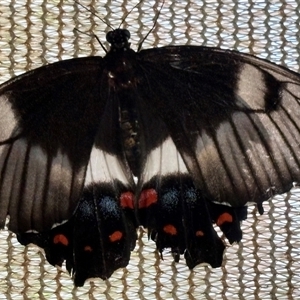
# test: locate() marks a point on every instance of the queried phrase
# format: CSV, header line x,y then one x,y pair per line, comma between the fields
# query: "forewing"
x,y
233,118
49,120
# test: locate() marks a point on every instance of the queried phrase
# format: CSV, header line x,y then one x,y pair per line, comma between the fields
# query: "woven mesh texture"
x,y
266,264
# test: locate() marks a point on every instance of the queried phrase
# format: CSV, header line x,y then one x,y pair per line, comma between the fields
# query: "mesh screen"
x,y
265,265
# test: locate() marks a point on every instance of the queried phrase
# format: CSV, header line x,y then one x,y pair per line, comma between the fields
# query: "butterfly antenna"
x,y
154,24
94,14
123,20
92,35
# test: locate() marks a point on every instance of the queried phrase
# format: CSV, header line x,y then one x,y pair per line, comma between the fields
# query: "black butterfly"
x,y
204,130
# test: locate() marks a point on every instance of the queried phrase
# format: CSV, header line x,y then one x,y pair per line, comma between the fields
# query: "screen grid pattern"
x,y
266,264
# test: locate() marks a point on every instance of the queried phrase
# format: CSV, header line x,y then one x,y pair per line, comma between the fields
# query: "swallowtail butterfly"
x,y
205,131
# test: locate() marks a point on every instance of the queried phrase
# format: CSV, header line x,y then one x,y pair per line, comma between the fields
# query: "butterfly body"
x,y
204,130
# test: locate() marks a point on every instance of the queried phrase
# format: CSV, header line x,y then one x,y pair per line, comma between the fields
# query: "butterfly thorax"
x,y
122,80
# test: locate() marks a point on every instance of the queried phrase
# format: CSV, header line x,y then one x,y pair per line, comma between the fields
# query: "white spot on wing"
x,y
164,160
14,162
24,193
104,167
36,173
60,176
8,120
11,168
251,87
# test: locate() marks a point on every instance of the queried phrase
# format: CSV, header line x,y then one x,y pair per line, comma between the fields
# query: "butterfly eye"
x,y
126,34
110,37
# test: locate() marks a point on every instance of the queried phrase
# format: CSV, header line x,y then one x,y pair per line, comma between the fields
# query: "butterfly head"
x,y
118,39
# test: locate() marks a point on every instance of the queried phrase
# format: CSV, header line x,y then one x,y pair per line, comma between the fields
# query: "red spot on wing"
x,y
127,200
170,229
116,236
147,198
223,218
61,239
199,233
88,248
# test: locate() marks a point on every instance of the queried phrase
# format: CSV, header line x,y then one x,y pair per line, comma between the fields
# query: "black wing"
x,y
230,132
234,118
60,149
50,120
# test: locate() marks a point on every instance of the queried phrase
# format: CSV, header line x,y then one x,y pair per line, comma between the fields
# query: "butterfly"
x,y
205,131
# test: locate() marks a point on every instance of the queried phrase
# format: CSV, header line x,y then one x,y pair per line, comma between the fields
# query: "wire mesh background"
x,y
266,264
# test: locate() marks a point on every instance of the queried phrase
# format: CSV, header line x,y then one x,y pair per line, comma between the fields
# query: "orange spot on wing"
x,y
147,198
170,229
223,218
61,239
116,236
127,200
199,233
